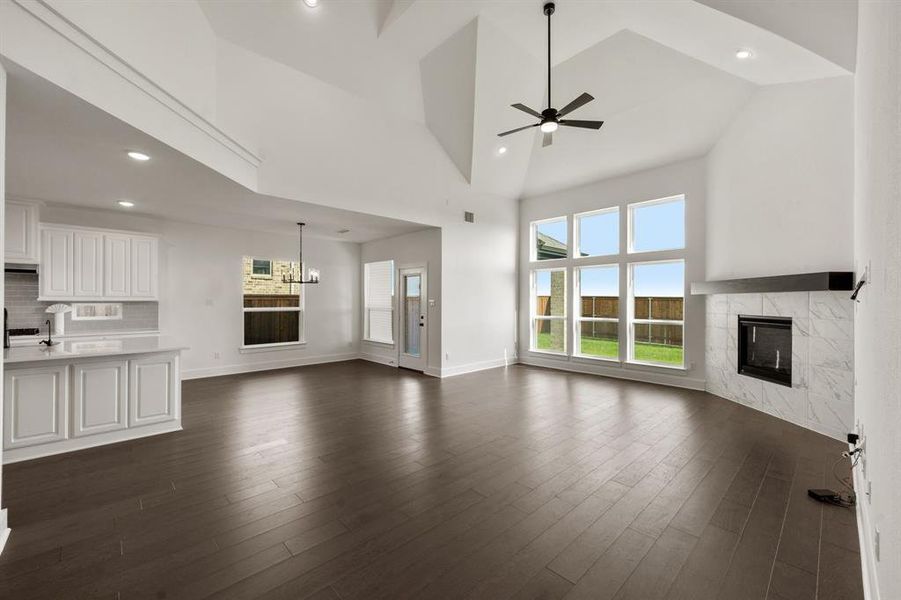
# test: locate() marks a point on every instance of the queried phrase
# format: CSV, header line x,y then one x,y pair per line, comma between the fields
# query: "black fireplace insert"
x,y
765,348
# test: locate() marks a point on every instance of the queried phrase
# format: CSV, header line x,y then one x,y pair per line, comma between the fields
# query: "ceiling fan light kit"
x,y
549,118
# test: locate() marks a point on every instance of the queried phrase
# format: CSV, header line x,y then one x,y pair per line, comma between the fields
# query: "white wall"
x,y
200,291
686,178
478,325
420,248
877,348
780,183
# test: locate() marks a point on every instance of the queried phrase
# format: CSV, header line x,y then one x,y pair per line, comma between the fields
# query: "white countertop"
x,y
74,349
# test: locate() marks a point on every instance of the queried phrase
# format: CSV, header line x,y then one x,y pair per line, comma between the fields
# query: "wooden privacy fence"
x,y
271,327
646,307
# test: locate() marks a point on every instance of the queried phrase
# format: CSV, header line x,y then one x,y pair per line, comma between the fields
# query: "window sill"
x,y
551,353
638,363
599,359
270,347
378,343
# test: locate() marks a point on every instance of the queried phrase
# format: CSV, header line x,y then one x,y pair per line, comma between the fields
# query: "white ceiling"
x,y
63,150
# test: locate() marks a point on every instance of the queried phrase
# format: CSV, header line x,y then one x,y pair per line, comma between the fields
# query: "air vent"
x,y
469,217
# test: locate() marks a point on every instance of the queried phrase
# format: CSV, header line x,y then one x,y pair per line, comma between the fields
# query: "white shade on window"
x,y
379,300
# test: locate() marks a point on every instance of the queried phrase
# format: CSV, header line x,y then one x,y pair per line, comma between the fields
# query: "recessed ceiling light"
x,y
744,54
126,203
311,3
138,156
502,150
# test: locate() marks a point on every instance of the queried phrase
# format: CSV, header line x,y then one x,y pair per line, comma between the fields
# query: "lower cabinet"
x,y
99,397
152,390
34,410
75,404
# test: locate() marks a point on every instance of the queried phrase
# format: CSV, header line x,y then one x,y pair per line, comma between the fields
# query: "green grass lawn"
x,y
659,353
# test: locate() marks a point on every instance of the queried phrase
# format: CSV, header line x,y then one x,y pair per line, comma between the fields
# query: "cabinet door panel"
x,y
56,264
100,397
117,265
152,389
144,268
16,240
88,264
35,406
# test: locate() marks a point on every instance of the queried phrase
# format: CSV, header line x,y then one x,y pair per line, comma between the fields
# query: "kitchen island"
x,y
88,392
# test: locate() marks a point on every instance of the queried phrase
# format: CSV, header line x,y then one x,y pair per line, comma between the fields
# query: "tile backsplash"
x,y
25,310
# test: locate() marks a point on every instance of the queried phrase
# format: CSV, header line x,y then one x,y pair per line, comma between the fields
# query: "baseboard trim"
x,y
689,383
867,560
266,366
470,367
375,358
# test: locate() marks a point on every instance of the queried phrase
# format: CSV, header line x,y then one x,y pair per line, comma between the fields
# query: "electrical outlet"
x,y
869,492
216,355
447,356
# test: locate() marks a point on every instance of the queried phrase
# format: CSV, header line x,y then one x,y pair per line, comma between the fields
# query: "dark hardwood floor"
x,y
354,480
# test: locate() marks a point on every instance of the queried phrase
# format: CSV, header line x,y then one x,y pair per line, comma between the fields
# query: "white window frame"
x,y
577,238
301,334
260,275
533,310
630,210
533,236
632,321
578,319
390,310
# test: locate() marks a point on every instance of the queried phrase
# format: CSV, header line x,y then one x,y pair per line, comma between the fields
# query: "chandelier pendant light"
x,y
313,274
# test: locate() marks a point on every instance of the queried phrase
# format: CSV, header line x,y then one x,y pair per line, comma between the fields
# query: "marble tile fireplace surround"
x,y
822,343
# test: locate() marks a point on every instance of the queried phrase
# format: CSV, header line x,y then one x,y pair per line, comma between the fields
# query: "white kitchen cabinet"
x,y
116,266
153,389
22,241
57,263
88,261
144,267
99,397
34,408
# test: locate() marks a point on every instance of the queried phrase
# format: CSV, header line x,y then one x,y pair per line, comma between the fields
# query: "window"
x,y
273,312
262,267
597,316
549,310
549,239
378,312
657,225
597,233
656,312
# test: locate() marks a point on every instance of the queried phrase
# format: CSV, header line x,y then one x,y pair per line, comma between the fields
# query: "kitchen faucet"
x,y
49,341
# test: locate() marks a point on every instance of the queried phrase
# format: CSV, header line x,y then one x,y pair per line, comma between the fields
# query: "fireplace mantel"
x,y
802,282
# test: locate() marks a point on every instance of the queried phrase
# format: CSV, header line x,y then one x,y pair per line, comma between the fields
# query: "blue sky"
x,y
599,234
555,229
601,281
659,226
659,279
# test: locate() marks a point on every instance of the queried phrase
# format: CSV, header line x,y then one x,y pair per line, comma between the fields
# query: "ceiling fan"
x,y
550,117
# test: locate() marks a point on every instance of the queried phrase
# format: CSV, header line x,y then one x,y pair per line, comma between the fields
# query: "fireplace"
x,y
765,348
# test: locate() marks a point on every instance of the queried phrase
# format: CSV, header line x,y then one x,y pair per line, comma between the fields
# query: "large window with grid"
x,y
626,266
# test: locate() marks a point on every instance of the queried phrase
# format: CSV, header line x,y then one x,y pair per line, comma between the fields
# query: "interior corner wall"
x,y
687,177
200,291
420,248
4,532
877,321
478,321
780,181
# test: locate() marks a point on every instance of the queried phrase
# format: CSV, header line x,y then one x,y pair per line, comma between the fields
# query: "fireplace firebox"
x,y
765,348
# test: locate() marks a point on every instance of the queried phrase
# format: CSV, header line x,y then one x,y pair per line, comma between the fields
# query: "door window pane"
x,y
412,308
550,240
657,225
598,233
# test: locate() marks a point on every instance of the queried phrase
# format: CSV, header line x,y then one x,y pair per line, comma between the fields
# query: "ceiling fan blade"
x,y
582,100
526,109
517,129
547,140
583,124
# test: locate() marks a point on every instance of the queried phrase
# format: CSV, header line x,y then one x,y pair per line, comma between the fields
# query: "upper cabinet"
x,y
92,264
21,241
